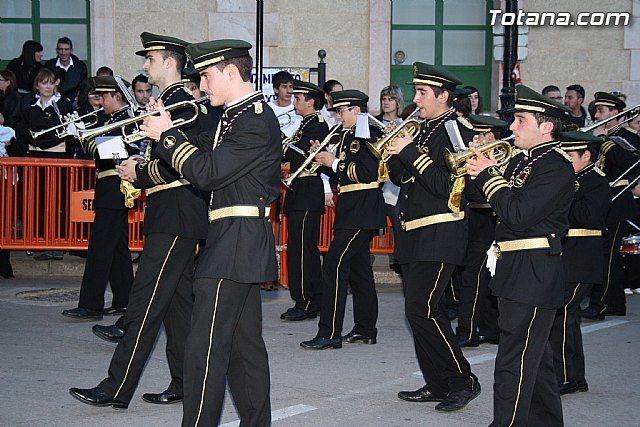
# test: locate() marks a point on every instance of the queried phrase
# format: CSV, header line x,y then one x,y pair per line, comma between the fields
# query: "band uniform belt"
x,y
174,184
358,187
621,183
583,232
476,205
520,245
108,172
431,220
237,211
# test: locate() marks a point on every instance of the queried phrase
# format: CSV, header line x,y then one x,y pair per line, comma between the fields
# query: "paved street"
x,y
44,354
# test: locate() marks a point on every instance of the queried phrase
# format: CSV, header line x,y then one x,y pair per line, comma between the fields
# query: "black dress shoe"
x,y
610,311
452,313
321,343
420,395
582,385
296,314
487,340
568,387
458,399
108,333
466,342
165,398
591,313
353,337
83,313
112,311
96,397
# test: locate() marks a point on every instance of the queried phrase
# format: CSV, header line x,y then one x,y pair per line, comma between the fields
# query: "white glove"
x,y
492,260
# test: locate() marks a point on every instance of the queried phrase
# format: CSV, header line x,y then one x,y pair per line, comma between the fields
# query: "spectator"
x,y
573,98
391,105
104,71
74,70
141,89
476,100
282,106
619,94
9,97
88,99
329,87
462,102
552,92
26,66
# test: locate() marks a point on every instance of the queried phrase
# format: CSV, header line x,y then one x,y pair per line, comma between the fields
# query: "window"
x,y
453,33
44,21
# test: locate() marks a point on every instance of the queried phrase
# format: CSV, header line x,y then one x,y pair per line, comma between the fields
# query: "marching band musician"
x,y
304,205
582,257
477,308
175,222
433,218
108,256
608,299
359,211
531,199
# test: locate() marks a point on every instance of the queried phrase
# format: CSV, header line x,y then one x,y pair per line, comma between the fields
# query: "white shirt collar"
x,y
59,64
51,100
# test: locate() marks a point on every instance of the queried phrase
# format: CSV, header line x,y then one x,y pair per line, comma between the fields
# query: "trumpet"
x,y
135,135
335,136
286,116
61,129
411,126
456,162
632,112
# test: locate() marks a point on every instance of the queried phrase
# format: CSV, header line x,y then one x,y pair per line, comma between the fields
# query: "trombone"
x,y
456,162
632,112
287,116
135,135
334,134
61,129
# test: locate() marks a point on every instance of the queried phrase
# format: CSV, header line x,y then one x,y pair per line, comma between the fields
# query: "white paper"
x,y
111,147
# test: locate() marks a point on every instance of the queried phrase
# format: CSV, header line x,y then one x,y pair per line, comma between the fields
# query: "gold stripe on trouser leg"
x,y
526,343
453,291
434,320
335,302
206,371
615,237
475,300
155,288
564,333
302,259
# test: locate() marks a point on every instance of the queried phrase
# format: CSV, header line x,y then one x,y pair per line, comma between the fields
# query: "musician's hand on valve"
x,y
482,139
153,126
314,145
325,158
477,164
398,143
127,170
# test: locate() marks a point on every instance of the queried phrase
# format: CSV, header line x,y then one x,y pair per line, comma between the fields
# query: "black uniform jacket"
x,y
181,210
243,169
32,117
616,161
425,184
307,192
362,209
107,192
537,205
583,256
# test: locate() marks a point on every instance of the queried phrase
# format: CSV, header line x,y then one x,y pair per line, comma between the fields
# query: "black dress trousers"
x,y
108,260
229,314
161,293
525,389
610,295
347,261
303,259
441,361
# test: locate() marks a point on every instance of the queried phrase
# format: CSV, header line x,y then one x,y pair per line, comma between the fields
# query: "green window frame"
x,y
474,75
37,21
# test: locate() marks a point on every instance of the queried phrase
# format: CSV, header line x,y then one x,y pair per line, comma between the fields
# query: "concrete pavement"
x,y
44,353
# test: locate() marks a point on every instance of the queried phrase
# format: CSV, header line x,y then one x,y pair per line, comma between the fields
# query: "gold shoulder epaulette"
x,y
464,122
598,171
187,91
563,154
258,107
607,146
320,118
515,151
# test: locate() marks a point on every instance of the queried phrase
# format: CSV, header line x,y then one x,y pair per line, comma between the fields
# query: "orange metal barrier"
x,y
46,204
